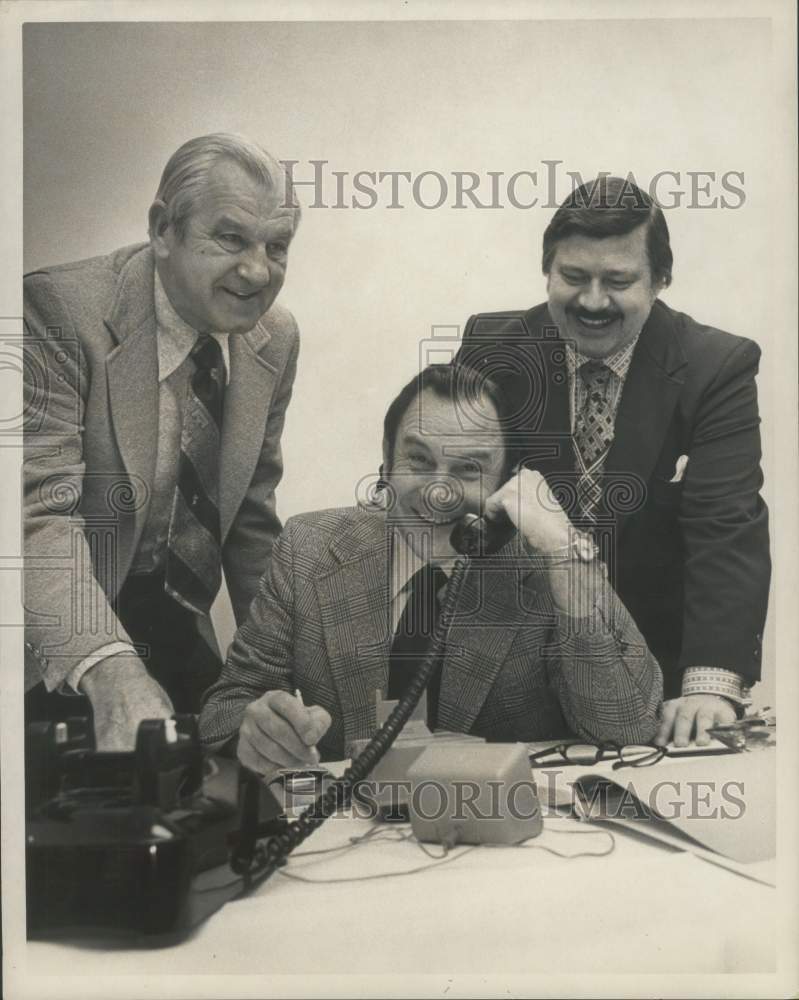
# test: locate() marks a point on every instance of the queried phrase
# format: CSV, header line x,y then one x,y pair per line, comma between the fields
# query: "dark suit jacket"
x,y
91,434
689,559
320,622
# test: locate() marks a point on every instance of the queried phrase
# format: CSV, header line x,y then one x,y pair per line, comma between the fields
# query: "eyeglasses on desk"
x,y
630,755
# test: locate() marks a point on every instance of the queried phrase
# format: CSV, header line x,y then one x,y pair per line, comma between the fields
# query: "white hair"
x,y
188,167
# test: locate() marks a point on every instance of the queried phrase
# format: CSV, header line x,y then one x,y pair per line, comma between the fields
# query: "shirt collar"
x,y
405,562
618,362
176,338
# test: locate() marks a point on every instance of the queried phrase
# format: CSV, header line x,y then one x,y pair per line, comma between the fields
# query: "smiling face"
x,y
227,269
440,472
601,290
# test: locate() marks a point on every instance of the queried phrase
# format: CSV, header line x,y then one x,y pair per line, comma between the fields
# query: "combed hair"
x,y
461,384
188,167
612,206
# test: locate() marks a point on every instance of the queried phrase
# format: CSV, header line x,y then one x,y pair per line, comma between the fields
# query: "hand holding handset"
x,y
475,536
524,504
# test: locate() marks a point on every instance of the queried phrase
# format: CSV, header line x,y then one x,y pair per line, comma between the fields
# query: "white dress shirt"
x,y
405,562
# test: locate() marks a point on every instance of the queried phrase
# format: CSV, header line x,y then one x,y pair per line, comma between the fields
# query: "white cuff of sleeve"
x,y
73,678
716,680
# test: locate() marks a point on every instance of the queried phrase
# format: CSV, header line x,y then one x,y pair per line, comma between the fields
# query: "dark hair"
x,y
466,387
612,206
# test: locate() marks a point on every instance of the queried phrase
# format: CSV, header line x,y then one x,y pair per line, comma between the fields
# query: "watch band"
x,y
581,546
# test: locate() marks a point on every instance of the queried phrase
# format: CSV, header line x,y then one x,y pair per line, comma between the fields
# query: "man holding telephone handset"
x,y
540,646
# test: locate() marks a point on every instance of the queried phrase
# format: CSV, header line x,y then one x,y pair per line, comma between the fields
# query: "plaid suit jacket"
x,y
514,669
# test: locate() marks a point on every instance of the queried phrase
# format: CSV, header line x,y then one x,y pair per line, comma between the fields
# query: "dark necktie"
x,y
593,434
194,565
413,636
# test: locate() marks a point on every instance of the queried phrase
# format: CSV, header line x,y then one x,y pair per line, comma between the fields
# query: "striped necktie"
x,y
194,563
593,434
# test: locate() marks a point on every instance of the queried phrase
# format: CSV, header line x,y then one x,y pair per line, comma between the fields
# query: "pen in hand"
x,y
313,750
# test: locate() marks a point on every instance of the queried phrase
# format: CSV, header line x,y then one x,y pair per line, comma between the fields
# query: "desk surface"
x,y
646,908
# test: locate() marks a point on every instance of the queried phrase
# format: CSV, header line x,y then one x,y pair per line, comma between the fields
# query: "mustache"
x,y
587,314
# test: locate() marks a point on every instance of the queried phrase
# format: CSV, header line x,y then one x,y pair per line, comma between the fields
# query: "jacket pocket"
x,y
665,493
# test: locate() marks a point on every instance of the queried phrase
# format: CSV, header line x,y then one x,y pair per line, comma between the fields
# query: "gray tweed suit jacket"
x,y
513,670
91,437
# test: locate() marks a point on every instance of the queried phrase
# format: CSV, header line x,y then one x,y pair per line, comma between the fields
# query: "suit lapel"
x,y
247,404
132,373
488,615
652,387
547,375
650,393
354,602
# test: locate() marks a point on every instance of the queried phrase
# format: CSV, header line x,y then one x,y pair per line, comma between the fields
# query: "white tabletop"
x,y
644,908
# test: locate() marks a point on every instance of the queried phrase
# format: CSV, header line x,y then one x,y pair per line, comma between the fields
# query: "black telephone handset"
x,y
481,536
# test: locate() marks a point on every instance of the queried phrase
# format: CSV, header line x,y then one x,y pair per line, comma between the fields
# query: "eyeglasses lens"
x,y
640,754
582,753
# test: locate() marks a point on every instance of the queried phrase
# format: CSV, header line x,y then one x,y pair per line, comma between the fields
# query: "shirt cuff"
x,y
70,683
716,680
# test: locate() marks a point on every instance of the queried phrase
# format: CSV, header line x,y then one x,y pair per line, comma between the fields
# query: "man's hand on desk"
x,y
278,731
693,715
122,694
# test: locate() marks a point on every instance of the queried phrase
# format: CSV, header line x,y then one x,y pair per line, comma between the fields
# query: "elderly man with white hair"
x,y
157,380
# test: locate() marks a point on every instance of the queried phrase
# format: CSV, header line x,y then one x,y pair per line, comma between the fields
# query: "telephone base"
x,y
132,844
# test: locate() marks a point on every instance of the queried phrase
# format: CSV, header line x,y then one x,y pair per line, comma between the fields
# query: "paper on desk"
x,y
759,871
724,803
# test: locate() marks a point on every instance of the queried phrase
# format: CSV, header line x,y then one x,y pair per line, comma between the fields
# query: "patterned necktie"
x,y
593,434
194,563
413,636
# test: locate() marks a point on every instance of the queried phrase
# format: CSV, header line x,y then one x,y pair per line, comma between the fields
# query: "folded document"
x,y
724,803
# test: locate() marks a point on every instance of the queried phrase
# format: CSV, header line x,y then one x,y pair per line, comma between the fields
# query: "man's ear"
x,y
658,284
385,464
160,229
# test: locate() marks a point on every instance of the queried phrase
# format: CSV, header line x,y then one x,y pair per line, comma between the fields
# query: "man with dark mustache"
x,y
647,421
157,381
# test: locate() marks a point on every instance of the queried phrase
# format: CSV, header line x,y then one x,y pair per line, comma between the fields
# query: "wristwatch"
x,y
584,547
581,546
